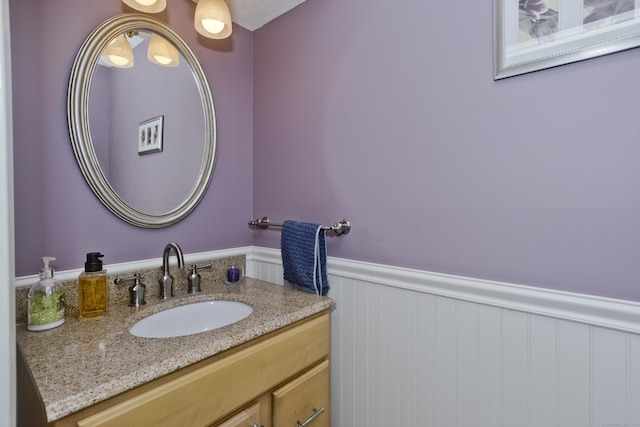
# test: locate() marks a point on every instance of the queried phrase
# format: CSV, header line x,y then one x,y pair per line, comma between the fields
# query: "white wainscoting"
x,y
413,348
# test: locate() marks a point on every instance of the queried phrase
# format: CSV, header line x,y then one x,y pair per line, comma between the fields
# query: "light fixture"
x,y
162,52
212,18
118,53
149,6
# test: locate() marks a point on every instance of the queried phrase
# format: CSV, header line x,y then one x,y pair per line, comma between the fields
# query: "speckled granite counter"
x,y
84,362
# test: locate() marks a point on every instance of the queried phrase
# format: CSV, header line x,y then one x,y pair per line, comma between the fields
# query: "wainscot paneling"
x,y
413,348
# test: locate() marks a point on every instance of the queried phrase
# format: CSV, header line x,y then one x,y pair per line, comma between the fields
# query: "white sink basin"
x,y
191,319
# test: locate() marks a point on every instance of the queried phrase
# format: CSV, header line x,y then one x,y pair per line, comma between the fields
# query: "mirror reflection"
x,y
146,121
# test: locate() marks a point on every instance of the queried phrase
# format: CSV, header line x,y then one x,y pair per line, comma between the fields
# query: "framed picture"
x,y
150,135
531,35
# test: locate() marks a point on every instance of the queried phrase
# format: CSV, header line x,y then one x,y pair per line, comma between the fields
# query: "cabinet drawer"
x,y
299,400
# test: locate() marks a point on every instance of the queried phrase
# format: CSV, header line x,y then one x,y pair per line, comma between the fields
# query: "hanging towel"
x,y
304,256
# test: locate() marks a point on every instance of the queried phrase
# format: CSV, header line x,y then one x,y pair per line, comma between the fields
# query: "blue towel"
x,y
304,256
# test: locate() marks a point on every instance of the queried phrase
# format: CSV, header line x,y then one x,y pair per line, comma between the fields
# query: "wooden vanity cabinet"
x,y
277,377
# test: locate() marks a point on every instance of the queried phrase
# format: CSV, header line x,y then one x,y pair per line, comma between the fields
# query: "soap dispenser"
x,y
45,301
92,290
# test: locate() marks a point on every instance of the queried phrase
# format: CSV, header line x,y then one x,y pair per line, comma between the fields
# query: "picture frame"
x,y
150,135
531,35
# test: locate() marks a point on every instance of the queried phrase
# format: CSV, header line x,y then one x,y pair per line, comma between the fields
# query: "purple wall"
x,y
387,114
531,180
27,87
55,211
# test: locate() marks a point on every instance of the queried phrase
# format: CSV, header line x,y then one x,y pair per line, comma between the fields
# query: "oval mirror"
x,y
142,121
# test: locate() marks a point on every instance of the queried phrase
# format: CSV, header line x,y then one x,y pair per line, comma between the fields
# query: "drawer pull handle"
x,y
256,425
313,416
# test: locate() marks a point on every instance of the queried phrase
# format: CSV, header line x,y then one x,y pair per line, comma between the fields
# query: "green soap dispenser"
x,y
45,301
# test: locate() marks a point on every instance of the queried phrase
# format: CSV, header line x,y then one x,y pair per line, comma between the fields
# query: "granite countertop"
x,y
84,362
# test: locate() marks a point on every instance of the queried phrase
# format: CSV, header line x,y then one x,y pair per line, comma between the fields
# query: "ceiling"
x,y
253,14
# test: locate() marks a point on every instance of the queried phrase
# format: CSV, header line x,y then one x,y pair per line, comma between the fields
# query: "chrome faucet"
x,y
166,281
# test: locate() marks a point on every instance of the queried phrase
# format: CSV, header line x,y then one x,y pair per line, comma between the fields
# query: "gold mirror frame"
x,y
78,119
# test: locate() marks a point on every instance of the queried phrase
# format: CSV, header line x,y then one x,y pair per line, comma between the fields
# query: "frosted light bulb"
x,y
213,25
162,59
117,60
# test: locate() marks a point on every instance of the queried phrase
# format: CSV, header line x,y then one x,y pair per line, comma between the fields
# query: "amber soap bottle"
x,y
92,292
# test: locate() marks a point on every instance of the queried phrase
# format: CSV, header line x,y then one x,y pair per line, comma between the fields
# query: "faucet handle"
x,y
194,268
136,290
194,277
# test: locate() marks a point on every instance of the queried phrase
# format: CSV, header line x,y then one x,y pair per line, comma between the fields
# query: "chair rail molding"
x,y
594,310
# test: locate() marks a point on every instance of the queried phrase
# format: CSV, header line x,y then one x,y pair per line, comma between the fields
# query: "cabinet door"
x,y
247,418
304,401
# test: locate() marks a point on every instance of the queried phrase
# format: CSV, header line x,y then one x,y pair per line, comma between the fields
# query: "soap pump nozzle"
x,y
47,272
93,263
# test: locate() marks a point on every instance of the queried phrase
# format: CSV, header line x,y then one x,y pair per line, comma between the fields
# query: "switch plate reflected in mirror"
x,y
150,136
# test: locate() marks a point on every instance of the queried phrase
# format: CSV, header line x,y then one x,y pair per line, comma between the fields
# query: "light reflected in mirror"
x,y
144,136
162,52
121,101
118,53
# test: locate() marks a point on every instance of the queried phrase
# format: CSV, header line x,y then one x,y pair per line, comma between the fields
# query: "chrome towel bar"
x,y
341,227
